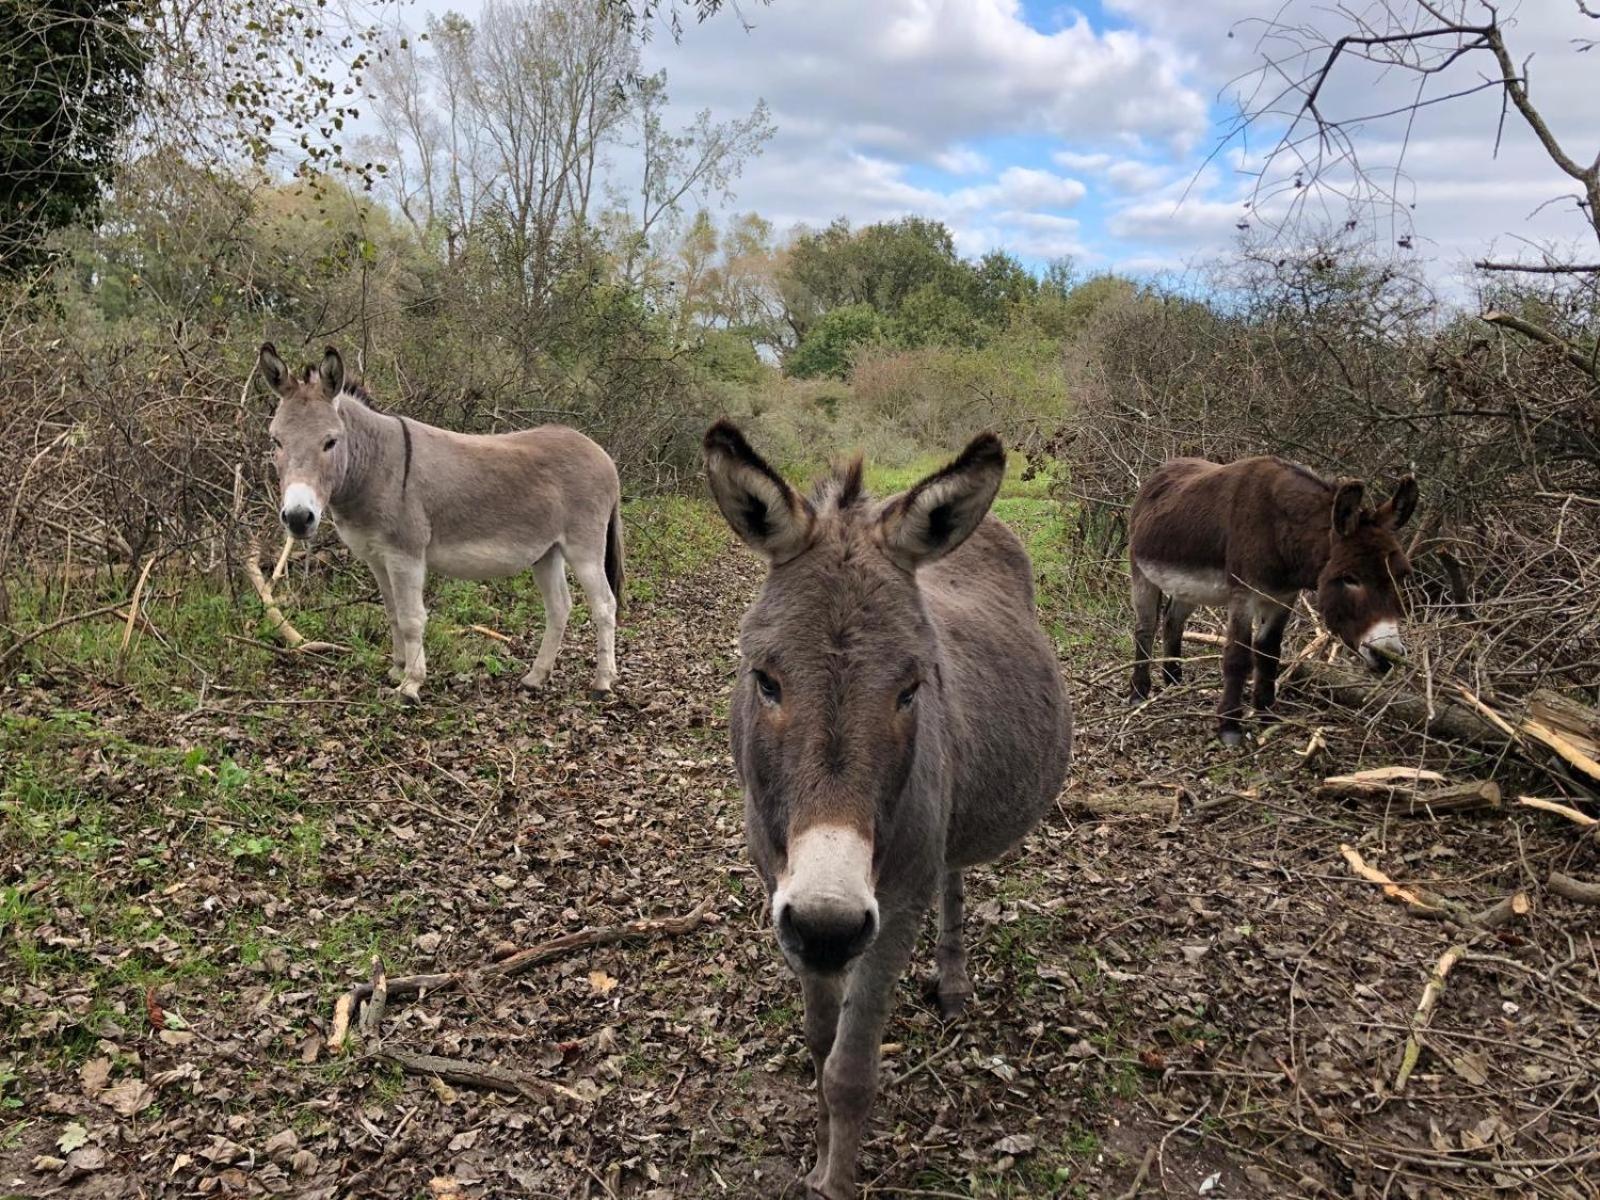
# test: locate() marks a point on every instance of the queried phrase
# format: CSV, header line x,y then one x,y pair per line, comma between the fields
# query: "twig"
x,y
1142,1175
372,1014
16,647
133,608
477,1075
1581,819
1419,1023
514,964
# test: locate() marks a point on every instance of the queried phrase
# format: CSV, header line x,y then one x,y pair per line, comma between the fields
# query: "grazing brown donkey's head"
x,y
1358,591
838,715
308,442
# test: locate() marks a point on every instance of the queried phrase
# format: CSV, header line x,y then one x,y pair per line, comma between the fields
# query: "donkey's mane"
x,y
841,488
1304,471
352,386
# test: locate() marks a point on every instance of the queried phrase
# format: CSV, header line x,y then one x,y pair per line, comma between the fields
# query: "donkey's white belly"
x,y
485,558
1187,584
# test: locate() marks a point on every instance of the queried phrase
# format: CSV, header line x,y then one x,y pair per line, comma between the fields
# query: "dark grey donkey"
x,y
898,717
409,498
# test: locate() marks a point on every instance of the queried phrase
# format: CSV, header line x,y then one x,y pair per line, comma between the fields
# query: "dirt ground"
x,y
1178,977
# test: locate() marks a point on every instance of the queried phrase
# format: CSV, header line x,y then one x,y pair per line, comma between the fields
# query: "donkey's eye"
x,y
768,687
1348,581
329,444
907,697
276,444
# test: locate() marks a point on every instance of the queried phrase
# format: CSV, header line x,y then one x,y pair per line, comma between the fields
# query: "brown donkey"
x,y
1252,535
898,717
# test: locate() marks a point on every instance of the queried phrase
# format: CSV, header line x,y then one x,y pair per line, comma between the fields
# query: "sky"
x,y
1096,129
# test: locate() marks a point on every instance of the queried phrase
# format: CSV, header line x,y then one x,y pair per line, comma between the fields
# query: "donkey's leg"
x,y
1146,609
1269,657
589,565
823,994
550,573
397,664
1172,639
1237,659
849,1082
406,577
955,989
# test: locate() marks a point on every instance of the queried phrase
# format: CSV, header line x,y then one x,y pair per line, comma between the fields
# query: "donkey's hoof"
x,y
409,694
817,1183
953,1003
1232,738
533,683
599,694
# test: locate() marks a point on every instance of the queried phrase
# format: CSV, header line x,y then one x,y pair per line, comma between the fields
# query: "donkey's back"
x,y
1010,725
530,487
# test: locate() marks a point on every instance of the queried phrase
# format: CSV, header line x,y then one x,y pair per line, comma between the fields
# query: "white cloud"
x,y
862,94
1124,175
962,111
961,160
1021,187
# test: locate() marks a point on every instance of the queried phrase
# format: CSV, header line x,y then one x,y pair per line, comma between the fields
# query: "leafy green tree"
x,y
71,80
831,345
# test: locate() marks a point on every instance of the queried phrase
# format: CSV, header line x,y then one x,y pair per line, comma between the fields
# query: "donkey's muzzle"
x,y
826,939
299,520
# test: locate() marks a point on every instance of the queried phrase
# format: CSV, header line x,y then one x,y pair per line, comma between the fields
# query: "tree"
x,y
830,347
1317,150
71,81
704,159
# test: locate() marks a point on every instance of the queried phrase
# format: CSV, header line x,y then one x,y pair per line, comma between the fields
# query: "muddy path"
x,y
1177,977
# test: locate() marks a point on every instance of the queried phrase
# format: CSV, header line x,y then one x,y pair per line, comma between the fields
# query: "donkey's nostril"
x,y
298,520
826,939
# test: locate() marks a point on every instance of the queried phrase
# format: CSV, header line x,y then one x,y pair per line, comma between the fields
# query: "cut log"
x,y
1576,722
1569,888
1496,915
1411,789
1385,778
1449,720
1479,795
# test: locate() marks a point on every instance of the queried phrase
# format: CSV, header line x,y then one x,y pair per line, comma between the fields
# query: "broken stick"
x,y
1412,900
1419,1023
477,1075
514,964
287,633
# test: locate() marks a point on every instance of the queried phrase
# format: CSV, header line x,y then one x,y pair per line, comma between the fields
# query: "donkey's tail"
x,y
614,555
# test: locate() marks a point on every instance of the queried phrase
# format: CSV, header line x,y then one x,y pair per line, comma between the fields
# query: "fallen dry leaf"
x,y
601,983
128,1097
94,1075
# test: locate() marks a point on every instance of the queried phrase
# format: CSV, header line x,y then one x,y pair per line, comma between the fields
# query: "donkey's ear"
x,y
331,373
273,370
1347,506
1397,510
938,514
773,519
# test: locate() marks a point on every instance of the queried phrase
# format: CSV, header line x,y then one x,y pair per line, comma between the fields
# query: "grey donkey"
x,y
898,717
410,498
